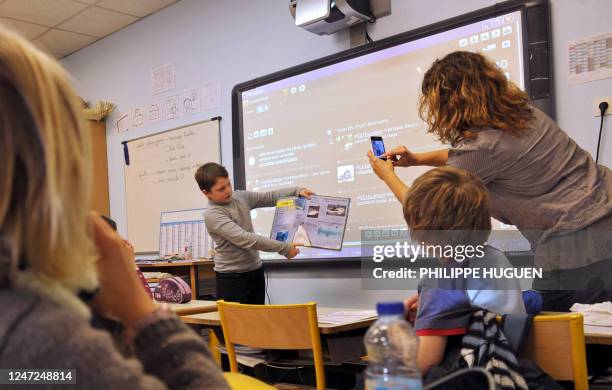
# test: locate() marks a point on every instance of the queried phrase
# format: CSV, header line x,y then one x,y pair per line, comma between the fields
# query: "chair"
x,y
238,381
272,327
556,344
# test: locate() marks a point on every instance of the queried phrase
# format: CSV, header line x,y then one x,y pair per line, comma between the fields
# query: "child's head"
x,y
448,206
214,182
46,171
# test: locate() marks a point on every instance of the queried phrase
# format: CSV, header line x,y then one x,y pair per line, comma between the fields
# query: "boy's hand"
x,y
306,193
406,159
381,168
294,251
411,305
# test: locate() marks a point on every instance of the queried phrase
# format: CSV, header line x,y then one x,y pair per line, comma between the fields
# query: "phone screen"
x,y
378,147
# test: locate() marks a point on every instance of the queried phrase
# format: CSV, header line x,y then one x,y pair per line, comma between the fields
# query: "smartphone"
x,y
378,146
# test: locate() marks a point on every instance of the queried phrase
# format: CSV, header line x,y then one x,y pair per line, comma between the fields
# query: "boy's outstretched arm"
x,y
224,226
269,199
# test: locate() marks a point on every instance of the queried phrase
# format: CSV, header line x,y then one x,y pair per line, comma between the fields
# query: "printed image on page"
x,y
288,216
325,221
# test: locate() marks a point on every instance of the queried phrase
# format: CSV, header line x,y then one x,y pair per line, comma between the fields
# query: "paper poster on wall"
x,y
190,101
211,95
123,123
138,116
154,112
590,58
163,78
171,107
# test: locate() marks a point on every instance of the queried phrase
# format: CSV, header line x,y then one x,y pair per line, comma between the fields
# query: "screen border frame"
x,y
545,104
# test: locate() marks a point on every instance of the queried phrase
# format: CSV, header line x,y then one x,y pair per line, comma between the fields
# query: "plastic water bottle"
x,y
392,351
188,251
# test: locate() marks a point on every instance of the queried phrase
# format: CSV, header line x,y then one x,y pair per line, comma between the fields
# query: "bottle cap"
x,y
390,308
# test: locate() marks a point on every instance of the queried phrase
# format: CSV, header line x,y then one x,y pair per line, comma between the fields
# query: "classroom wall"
x,y
231,41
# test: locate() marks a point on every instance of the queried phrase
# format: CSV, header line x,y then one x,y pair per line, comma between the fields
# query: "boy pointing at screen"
x,y
238,269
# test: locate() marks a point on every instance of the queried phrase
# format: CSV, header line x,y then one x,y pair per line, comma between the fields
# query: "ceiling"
x,y
61,27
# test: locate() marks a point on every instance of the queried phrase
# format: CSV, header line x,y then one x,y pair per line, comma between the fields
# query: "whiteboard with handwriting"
x,y
160,177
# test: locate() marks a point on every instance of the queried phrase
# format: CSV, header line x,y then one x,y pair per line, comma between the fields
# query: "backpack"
x,y
485,345
172,290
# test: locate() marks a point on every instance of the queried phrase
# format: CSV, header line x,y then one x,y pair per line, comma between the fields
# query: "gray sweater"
x,y
547,186
38,332
231,228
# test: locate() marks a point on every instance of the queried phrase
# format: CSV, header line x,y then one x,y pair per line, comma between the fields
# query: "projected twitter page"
x,y
314,129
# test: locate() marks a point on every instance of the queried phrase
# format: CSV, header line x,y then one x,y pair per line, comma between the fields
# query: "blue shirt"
x,y
445,306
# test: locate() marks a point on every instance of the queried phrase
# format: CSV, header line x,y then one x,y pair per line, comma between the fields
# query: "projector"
x,y
324,17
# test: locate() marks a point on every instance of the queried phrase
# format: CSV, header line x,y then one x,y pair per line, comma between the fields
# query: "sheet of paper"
x,y
137,115
590,58
211,95
343,317
171,107
163,78
599,314
190,101
123,122
155,112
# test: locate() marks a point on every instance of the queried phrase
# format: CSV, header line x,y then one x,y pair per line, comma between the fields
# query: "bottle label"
x,y
389,383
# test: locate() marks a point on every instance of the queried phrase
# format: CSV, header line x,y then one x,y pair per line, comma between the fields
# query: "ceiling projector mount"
x,y
324,17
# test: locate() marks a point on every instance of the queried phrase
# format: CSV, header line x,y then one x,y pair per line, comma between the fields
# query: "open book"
x,y
318,222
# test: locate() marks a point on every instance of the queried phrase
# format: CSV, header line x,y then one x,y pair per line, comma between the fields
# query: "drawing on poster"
x,y
138,117
155,112
123,123
190,101
171,107
163,78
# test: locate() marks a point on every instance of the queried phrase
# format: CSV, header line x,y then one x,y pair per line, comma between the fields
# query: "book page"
x,y
319,221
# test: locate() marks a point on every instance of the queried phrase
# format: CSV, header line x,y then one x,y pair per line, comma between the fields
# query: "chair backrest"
x,y
556,344
272,327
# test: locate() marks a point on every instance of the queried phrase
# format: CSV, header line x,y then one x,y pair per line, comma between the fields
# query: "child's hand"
x,y
306,193
121,294
294,251
411,305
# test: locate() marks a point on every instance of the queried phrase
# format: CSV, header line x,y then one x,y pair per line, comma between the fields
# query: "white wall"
x,y
236,40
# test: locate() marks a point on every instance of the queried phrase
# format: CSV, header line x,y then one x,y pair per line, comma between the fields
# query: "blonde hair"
x,y
464,91
452,204
45,181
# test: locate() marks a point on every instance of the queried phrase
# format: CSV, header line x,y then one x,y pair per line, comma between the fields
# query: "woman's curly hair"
x,y
464,91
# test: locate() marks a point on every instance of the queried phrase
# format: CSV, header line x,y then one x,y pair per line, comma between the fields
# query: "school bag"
x,y
172,290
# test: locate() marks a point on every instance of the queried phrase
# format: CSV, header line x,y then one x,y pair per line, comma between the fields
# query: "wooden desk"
x,y
193,307
212,319
342,342
178,267
598,334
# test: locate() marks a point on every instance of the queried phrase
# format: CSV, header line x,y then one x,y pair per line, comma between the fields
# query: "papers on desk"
x,y
346,316
599,314
246,356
